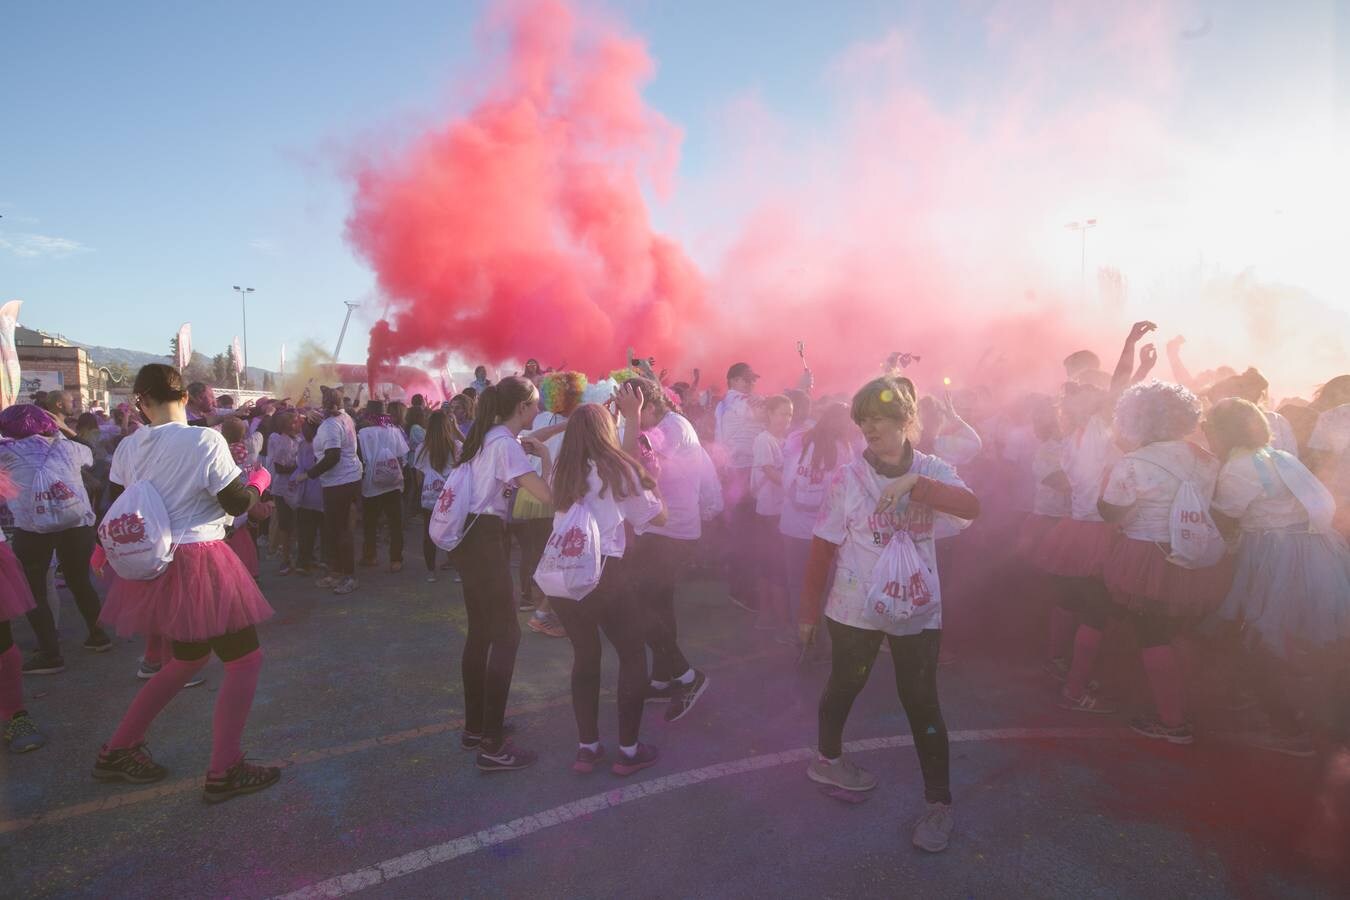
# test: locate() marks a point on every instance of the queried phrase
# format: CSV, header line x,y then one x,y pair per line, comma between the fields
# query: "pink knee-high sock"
x,y
155,647
11,683
152,698
1164,676
232,706
1062,624
1086,643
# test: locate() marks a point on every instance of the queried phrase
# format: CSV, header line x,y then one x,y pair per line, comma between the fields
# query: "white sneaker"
x,y
934,828
345,586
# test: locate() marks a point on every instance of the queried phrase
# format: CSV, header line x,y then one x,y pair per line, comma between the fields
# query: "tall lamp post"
x,y
1082,227
351,305
244,292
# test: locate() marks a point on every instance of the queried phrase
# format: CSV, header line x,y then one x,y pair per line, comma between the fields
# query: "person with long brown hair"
x,y
433,461
595,471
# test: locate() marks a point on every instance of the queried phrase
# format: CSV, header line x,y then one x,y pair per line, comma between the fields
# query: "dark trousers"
x,y
489,658
656,564
915,657
387,506
741,544
308,524
532,535
339,544
609,608
72,548
429,548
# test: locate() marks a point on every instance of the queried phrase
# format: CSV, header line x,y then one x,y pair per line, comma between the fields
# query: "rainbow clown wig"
x,y
561,392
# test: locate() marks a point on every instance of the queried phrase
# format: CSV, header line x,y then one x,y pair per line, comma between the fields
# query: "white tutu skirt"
x,y
1291,590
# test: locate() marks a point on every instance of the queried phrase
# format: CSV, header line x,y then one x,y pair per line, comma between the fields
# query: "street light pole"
x,y
1082,227
351,305
243,292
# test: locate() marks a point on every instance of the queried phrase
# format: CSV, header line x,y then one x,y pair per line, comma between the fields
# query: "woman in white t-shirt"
x,y
339,472
21,735
892,488
499,463
383,447
766,483
1154,596
434,459
52,514
594,471
1253,387
1329,445
1291,589
283,458
205,601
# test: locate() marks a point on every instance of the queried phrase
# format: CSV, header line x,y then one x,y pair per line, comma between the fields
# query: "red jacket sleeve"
x,y
817,574
946,498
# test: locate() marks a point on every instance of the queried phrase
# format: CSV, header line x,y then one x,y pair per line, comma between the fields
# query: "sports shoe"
x,y
1058,669
395,567
506,758
1088,703
241,778
285,569
685,696
1298,745
345,586
133,765
549,626
327,582
841,774
645,757
934,828
431,579
43,664
587,759
21,735
663,695
302,571
150,670
98,641
470,741
1150,727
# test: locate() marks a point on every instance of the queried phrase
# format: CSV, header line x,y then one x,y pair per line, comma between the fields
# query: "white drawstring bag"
x,y
1194,538
135,533
387,471
431,491
450,515
571,565
901,586
57,506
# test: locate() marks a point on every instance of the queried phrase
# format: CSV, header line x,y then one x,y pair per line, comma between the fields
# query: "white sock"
x,y
594,748
827,761
687,677
540,614
629,752
660,685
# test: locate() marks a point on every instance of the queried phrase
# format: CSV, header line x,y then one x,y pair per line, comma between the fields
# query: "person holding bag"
x,y
892,490
596,477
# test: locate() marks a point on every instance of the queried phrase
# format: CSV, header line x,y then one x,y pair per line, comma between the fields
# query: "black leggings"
x,y
309,522
337,527
72,548
656,564
229,647
1091,602
429,548
609,608
915,658
489,658
387,506
532,535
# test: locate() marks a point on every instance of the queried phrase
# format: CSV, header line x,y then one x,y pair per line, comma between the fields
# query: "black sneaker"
x,y
133,765
686,696
241,778
470,741
43,664
645,757
98,641
506,758
587,759
663,695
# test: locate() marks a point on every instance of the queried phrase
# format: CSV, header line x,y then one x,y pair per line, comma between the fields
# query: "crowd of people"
x,y
1186,517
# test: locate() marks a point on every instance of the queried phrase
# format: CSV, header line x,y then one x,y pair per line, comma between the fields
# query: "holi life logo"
x,y
447,499
573,542
126,529
59,492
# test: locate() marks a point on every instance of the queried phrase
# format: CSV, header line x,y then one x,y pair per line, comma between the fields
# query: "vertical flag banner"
x,y
9,354
184,355
238,356
281,369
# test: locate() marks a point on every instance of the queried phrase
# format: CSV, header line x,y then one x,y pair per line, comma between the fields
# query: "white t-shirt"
x,y
1332,437
637,509
1252,491
1088,455
849,519
802,480
432,480
382,446
1282,433
282,450
1047,461
1144,481
496,468
736,428
554,444
338,433
188,466
60,458
768,454
679,465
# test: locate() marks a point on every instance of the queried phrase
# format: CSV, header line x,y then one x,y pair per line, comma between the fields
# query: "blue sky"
x,y
157,153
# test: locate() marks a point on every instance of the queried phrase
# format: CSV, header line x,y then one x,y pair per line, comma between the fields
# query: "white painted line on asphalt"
x,y
435,855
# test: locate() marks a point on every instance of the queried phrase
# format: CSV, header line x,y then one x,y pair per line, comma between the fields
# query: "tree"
x,y
222,369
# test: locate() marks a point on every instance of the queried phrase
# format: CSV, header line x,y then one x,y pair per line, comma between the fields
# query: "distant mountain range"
x,y
134,359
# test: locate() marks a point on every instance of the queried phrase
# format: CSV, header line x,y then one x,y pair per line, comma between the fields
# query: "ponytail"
x,y
496,403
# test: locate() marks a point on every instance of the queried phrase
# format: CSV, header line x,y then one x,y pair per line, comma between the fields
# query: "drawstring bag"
x,y
431,491
1305,486
135,533
56,505
901,586
806,484
1195,540
387,471
450,514
571,565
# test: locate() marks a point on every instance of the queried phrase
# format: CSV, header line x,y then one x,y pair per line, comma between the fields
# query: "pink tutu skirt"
x,y
241,542
1140,578
204,593
1074,548
1032,531
15,596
